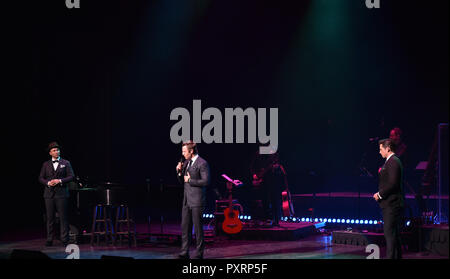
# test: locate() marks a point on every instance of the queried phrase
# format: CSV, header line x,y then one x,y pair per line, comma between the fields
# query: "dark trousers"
x,y
61,207
192,216
392,218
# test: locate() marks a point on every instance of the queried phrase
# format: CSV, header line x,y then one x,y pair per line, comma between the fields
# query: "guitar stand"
x,y
231,223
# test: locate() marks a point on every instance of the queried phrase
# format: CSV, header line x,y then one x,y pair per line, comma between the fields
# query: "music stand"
x,y
233,182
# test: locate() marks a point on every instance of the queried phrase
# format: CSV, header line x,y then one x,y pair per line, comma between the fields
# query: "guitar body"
x,y
288,209
231,224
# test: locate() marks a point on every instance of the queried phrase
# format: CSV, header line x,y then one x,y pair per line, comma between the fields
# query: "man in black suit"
x,y
194,173
55,174
390,197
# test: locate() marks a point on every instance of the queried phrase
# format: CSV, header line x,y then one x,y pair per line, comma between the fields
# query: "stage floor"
x,y
317,246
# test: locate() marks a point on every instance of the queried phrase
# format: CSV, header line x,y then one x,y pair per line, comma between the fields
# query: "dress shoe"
x,y
198,257
183,256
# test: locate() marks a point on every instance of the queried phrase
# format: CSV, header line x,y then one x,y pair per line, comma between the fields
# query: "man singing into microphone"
x,y
390,197
194,173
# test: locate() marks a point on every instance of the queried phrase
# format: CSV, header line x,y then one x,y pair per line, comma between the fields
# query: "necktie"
x,y
55,161
188,166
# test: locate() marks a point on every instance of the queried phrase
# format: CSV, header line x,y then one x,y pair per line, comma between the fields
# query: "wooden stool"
x,y
125,226
102,224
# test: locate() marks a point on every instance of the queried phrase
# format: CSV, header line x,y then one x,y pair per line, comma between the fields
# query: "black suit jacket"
x,y
64,172
195,190
390,185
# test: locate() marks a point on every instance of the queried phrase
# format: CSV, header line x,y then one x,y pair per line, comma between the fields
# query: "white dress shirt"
x,y
55,165
191,163
193,159
389,157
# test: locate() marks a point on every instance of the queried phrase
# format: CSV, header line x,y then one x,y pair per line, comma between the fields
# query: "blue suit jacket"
x,y
195,190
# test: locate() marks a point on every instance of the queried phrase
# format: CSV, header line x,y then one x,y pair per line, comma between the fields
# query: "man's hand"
x,y
179,166
237,182
187,177
375,196
53,182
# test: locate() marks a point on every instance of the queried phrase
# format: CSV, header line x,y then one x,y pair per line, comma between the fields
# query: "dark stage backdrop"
x,y
104,79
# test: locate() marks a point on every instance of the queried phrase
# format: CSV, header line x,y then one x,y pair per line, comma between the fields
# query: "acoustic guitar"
x,y
231,224
287,205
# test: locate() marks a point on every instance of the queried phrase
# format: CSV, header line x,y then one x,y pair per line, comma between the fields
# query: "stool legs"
x,y
102,224
123,218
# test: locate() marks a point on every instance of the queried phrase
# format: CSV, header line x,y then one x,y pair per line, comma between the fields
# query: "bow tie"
x,y
55,161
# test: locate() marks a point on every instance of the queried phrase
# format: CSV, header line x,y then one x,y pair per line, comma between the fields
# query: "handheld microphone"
x,y
182,160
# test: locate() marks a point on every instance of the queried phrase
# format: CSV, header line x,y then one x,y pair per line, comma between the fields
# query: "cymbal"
x,y
108,183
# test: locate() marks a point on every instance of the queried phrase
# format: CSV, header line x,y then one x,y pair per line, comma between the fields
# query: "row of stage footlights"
x,y
314,220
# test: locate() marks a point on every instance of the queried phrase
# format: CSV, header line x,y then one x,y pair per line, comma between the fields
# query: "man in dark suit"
x,y
194,173
390,198
55,174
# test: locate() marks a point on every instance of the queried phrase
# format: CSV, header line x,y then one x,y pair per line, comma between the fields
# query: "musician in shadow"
x,y
396,135
268,179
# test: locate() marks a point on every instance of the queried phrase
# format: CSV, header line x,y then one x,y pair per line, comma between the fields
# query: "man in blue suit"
x,y
195,176
55,175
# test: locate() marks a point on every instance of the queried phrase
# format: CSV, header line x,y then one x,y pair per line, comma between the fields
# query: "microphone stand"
x,y
148,202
